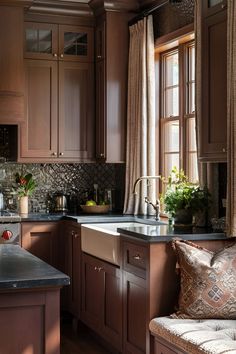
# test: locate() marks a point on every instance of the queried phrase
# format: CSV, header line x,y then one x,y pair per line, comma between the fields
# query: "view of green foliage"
x,y
182,194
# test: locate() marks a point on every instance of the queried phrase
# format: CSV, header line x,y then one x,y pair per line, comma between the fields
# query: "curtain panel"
x,y
141,118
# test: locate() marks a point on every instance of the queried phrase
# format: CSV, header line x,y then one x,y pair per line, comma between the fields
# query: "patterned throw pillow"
x,y
208,281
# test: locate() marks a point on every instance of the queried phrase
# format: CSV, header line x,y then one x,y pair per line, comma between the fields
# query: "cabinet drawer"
x,y
135,258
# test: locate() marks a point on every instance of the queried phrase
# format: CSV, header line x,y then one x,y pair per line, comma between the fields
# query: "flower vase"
x,y
24,204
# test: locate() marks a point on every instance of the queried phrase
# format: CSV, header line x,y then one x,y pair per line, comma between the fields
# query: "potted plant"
x,y
24,186
183,199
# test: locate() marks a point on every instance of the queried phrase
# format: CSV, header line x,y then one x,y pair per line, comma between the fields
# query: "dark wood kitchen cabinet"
x,y
135,263
58,42
111,85
59,122
59,119
213,122
72,255
41,239
39,132
150,287
102,299
11,64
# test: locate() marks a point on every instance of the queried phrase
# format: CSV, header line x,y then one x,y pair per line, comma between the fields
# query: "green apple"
x,y
90,202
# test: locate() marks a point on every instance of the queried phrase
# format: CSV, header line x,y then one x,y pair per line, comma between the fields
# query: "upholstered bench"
x,y
186,336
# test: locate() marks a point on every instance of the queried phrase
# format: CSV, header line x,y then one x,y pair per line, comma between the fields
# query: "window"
x,y
177,119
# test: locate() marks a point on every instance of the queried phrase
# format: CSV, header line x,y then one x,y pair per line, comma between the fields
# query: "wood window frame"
x,y
180,39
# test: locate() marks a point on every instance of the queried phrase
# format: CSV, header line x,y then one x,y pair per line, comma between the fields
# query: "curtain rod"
x,y
147,12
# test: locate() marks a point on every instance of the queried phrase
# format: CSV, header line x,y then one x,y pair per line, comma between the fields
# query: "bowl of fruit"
x,y
91,207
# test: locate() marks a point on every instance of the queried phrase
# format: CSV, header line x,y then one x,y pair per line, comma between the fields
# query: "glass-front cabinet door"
x,y
41,41
210,7
76,43
214,2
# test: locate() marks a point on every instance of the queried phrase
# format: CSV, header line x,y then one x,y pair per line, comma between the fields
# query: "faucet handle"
x,y
146,200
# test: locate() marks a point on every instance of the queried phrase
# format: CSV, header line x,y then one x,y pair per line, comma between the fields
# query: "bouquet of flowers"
x,y
24,184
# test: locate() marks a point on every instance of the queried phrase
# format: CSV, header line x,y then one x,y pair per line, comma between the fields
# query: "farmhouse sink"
x,y
103,240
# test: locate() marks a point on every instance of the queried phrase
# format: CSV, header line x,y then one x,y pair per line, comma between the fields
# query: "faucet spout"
x,y
156,206
138,180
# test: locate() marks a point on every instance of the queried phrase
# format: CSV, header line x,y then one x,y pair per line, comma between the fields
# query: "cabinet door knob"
x,y
55,55
99,56
101,155
62,55
61,154
54,154
224,149
95,268
99,269
76,235
223,6
137,257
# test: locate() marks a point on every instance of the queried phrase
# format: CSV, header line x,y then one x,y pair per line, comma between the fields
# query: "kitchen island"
x,y
29,303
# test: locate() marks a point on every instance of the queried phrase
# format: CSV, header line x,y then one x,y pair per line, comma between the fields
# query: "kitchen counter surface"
x,y
149,233
19,269
165,233
88,218
42,217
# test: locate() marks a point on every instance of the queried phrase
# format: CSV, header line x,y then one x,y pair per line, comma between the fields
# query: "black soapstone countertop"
x,y
19,269
149,233
165,233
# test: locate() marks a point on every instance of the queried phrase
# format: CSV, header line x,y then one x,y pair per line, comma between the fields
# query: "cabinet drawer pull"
x,y
224,149
62,56
55,55
74,234
54,154
98,268
137,257
61,154
99,56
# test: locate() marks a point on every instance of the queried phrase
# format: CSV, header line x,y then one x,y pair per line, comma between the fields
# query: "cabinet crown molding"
x,y
100,6
61,7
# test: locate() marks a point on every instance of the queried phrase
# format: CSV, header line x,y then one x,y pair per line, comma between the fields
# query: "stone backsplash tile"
x,y
72,179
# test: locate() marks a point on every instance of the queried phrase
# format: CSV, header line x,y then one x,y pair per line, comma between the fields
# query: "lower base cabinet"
x,y
30,321
72,257
134,313
41,239
102,299
150,289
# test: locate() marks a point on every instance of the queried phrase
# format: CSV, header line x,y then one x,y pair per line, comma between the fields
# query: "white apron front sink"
x,y
103,241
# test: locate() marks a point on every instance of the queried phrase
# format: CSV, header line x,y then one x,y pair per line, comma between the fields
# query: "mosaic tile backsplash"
x,y
74,180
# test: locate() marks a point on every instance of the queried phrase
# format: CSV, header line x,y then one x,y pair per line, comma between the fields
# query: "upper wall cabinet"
x,y
59,86
11,65
112,36
51,41
213,139
211,7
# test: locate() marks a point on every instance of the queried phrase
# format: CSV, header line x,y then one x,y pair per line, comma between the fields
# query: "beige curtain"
x,y
141,124
231,105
